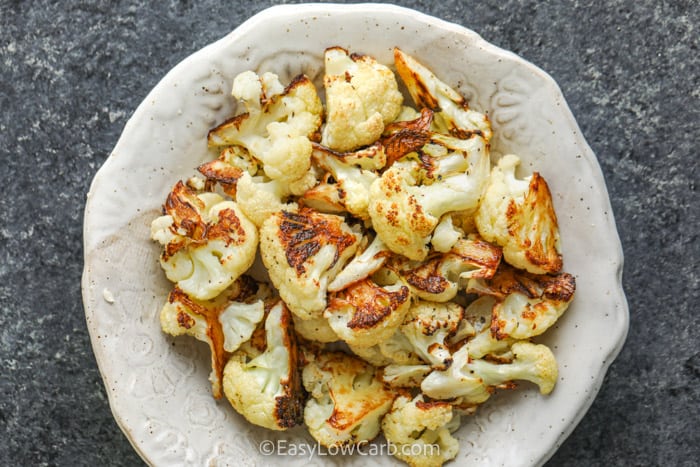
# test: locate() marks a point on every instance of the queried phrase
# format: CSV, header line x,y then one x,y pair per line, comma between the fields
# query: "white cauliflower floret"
x,y
452,112
405,376
365,314
362,96
227,169
420,431
364,264
347,400
440,275
303,252
445,235
224,322
526,304
278,126
406,204
351,182
266,388
483,342
208,241
519,216
473,380
315,329
259,197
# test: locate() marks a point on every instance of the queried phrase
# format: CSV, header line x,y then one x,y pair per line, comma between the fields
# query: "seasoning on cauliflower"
x,y
406,203
208,241
365,262
266,387
347,399
519,216
365,314
277,127
440,275
303,252
224,322
362,96
405,376
482,342
428,327
420,431
452,112
315,329
527,304
406,136
473,380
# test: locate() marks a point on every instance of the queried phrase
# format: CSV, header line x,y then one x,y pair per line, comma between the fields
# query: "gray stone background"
x,y
72,72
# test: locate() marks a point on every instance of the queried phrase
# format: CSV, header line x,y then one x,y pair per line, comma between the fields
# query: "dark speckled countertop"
x,y
73,72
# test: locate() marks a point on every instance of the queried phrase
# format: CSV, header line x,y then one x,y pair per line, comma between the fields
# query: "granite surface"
x,y
72,72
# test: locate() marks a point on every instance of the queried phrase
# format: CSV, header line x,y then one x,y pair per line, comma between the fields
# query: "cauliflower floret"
x,y
405,376
266,388
259,197
445,235
483,342
315,329
420,431
362,96
405,203
303,252
347,400
519,216
224,322
208,241
527,304
278,126
440,275
473,380
225,170
428,327
365,313
351,182
362,265
452,112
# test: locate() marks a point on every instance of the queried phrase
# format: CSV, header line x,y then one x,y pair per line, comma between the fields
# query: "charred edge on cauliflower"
x,y
305,232
537,200
289,407
184,207
406,137
560,287
218,171
214,329
371,303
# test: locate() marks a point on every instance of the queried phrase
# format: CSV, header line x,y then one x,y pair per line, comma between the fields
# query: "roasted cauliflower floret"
x,y
526,304
428,327
303,252
224,322
473,380
420,431
266,388
259,197
346,401
440,275
519,216
406,203
483,343
362,96
315,329
208,241
452,112
362,265
277,127
228,168
365,313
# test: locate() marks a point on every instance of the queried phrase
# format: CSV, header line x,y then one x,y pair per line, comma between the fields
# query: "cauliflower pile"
x,y
406,276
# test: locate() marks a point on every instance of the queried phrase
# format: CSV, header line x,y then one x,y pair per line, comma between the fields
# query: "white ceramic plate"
x,y
158,387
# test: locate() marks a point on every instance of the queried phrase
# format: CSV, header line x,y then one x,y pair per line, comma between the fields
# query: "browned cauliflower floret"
x,y
519,216
440,275
365,314
303,252
208,241
265,387
362,96
347,400
224,322
277,127
420,431
526,304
